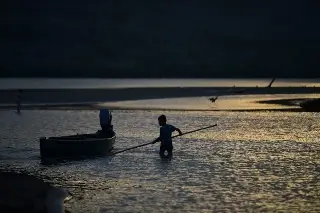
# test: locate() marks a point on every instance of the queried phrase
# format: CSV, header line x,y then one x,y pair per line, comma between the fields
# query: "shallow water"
x,y
231,102
251,162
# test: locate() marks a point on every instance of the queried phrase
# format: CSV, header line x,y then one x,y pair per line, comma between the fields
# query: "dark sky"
x,y
126,38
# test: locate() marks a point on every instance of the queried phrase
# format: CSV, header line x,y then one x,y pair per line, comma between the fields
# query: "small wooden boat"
x,y
85,145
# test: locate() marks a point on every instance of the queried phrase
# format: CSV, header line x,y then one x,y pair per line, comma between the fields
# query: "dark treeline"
x,y
125,38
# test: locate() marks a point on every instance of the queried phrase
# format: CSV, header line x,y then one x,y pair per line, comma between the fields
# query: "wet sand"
x,y
56,96
82,99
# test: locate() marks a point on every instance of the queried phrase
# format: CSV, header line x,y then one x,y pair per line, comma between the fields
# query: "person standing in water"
x,y
18,100
166,131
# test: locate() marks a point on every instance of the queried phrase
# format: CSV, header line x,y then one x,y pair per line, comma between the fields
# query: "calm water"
x,y
231,102
252,162
25,83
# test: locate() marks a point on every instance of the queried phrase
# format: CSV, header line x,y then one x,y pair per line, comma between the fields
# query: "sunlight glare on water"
x,y
231,102
251,162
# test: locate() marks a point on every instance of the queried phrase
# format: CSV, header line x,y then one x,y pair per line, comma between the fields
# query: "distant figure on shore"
x,y
105,122
165,137
18,100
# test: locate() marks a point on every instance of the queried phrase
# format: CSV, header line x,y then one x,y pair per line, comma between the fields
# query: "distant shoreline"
x,y
31,96
89,99
105,83
94,107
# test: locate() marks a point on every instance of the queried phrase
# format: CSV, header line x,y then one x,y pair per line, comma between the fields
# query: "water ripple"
x,y
252,162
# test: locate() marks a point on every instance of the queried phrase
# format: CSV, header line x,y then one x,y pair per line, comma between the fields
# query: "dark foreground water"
x,y
252,162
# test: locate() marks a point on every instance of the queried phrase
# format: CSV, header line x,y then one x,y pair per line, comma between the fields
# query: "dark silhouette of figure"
x,y
213,100
166,131
18,100
270,84
106,123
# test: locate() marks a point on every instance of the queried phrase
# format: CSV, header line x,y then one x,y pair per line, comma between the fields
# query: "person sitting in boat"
x,y
105,122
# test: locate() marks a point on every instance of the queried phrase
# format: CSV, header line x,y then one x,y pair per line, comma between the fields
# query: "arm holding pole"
x,y
158,139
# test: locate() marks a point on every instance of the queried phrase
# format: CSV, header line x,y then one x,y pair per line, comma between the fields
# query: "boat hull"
x,y
89,145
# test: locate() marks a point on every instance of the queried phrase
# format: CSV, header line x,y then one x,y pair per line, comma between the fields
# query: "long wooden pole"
x,y
134,147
